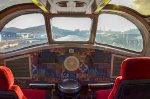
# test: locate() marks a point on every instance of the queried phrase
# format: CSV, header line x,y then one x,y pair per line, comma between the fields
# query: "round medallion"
x,y
71,63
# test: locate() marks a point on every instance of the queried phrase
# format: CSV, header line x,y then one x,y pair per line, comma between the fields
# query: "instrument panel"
x,y
55,64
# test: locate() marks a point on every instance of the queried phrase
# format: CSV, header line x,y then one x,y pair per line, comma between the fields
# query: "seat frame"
x,y
8,95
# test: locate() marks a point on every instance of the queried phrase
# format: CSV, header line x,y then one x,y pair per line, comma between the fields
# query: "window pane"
x,y
70,29
23,31
117,31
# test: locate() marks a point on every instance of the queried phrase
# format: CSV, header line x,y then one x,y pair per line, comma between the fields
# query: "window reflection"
x,y
117,31
23,31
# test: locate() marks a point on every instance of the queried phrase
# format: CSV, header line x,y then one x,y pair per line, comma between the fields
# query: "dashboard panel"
x,y
55,64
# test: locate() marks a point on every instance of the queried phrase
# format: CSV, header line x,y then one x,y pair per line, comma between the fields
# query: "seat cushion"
x,y
18,91
115,88
102,94
34,93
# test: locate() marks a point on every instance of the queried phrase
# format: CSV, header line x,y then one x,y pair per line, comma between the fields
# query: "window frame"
x,y
130,18
15,15
52,34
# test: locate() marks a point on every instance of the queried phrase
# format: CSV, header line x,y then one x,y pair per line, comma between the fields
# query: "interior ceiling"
x,y
142,6
7,3
71,5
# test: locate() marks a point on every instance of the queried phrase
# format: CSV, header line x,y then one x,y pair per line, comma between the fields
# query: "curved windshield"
x,y
23,31
70,28
117,31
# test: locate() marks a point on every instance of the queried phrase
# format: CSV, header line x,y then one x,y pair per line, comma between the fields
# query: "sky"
x,y
71,23
107,22
114,23
26,21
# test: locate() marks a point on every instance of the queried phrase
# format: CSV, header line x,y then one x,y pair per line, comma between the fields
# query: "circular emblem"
x,y
71,63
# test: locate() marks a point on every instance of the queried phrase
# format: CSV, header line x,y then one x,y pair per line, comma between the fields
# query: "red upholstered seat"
x,y
34,93
103,94
132,69
7,82
136,68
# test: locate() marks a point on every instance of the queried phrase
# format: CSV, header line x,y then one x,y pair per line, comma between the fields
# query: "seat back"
x,y
7,88
134,82
6,78
133,89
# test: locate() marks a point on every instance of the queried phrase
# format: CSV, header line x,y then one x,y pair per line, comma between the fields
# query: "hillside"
x,y
58,32
41,29
37,29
